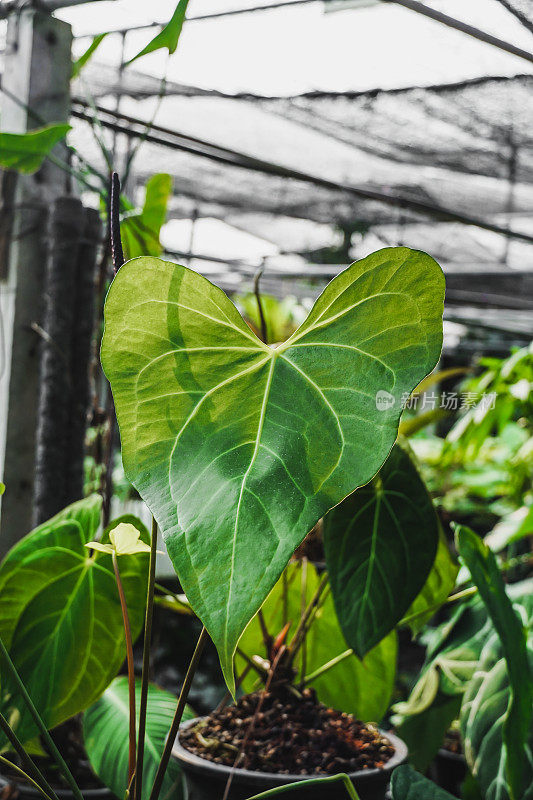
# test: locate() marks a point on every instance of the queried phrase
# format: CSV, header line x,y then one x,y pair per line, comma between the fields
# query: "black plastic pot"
x,y
448,771
205,780
26,792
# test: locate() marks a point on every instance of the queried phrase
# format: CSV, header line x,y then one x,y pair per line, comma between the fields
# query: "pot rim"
x,y
203,765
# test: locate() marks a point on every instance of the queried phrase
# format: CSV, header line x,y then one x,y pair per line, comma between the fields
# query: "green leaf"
x,y
238,448
486,575
168,37
424,733
380,547
436,589
78,65
406,784
512,528
106,737
140,232
358,687
25,152
61,619
483,715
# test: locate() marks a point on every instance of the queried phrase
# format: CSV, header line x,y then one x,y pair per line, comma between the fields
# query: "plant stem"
x,y
299,635
26,777
348,785
458,596
38,721
327,666
114,224
169,744
257,292
131,672
146,662
33,770
268,641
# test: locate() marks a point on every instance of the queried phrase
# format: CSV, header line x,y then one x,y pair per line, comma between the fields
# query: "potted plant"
x,y
239,448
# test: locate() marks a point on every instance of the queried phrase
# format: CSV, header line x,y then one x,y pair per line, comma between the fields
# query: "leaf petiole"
x,y
348,785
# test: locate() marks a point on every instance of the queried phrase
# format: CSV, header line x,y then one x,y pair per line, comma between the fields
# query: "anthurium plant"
x,y
239,448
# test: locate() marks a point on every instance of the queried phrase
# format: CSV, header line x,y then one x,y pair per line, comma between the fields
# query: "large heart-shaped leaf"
x,y
61,616
239,448
358,687
106,737
380,546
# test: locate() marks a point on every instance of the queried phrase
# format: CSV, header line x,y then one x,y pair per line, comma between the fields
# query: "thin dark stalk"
x,y
273,668
33,771
267,638
262,672
299,635
114,224
257,292
38,721
146,662
303,599
24,775
285,598
131,672
180,708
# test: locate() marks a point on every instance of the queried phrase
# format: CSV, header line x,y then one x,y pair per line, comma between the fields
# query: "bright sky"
x,y
293,50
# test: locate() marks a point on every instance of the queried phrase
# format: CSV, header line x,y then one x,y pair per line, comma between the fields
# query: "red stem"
x,y
131,673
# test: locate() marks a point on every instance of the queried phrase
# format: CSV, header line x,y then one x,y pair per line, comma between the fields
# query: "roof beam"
x,y
456,24
166,137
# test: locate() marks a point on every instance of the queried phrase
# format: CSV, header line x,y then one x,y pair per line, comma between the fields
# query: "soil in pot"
x,y
291,734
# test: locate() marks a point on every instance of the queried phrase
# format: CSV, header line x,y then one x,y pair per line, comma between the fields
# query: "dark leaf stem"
x,y
146,663
39,722
180,708
26,777
33,771
257,292
131,672
114,224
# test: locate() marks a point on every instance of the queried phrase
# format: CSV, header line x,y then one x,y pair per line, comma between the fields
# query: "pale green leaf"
x,y
380,546
140,232
78,65
25,152
106,737
486,575
483,716
424,733
168,37
238,448
61,619
363,688
512,528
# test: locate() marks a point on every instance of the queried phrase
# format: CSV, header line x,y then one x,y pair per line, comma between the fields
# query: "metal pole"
x,y
456,24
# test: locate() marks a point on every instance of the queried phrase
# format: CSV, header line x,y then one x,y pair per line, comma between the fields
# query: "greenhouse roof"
x,y
309,137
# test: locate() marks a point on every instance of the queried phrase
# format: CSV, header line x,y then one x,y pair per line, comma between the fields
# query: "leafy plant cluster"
x,y
240,448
